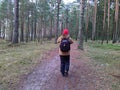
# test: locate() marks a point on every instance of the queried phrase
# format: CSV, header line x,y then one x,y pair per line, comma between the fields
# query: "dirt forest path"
x,y
82,74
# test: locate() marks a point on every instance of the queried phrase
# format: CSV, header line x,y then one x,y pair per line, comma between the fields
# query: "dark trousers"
x,y
65,63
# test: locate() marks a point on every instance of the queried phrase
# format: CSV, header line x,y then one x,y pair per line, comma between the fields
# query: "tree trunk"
x,y
4,32
81,24
9,22
41,31
94,23
57,22
22,30
0,30
66,18
50,33
115,36
12,24
104,22
16,22
38,31
87,20
77,24
35,22
119,27
108,21
40,26
11,30
28,30
32,27
44,28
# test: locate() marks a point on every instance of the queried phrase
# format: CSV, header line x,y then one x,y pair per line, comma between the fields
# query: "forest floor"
x,y
84,74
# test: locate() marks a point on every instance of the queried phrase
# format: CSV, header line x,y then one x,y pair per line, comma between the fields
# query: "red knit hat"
x,y
65,32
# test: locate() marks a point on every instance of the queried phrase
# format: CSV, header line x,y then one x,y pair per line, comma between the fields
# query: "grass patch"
x,y
19,60
109,46
116,86
107,55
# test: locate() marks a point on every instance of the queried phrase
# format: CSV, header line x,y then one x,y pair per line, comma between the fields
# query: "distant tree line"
x,y
35,20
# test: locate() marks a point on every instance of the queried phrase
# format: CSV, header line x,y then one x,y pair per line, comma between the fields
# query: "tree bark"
x,y
66,18
115,36
28,30
22,30
41,31
9,21
16,23
4,31
108,21
119,28
57,22
0,30
32,21
35,22
94,23
81,25
77,24
104,22
87,20
50,33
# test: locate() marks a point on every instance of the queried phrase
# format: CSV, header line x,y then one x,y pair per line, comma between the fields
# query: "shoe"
x,y
63,74
66,74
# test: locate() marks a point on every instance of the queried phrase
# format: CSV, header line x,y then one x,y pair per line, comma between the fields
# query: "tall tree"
x,y
22,17
115,36
104,22
16,22
108,27
94,20
24,8
9,20
35,22
66,23
52,4
57,22
81,25
28,28
0,29
119,27
87,20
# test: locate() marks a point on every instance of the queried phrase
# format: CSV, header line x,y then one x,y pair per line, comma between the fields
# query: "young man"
x,y
64,51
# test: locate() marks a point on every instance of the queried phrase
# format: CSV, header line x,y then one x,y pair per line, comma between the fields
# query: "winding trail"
x,y
82,74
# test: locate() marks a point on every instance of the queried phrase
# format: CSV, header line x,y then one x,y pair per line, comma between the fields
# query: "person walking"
x,y
64,51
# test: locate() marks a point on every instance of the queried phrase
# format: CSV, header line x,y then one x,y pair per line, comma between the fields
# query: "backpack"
x,y
65,45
